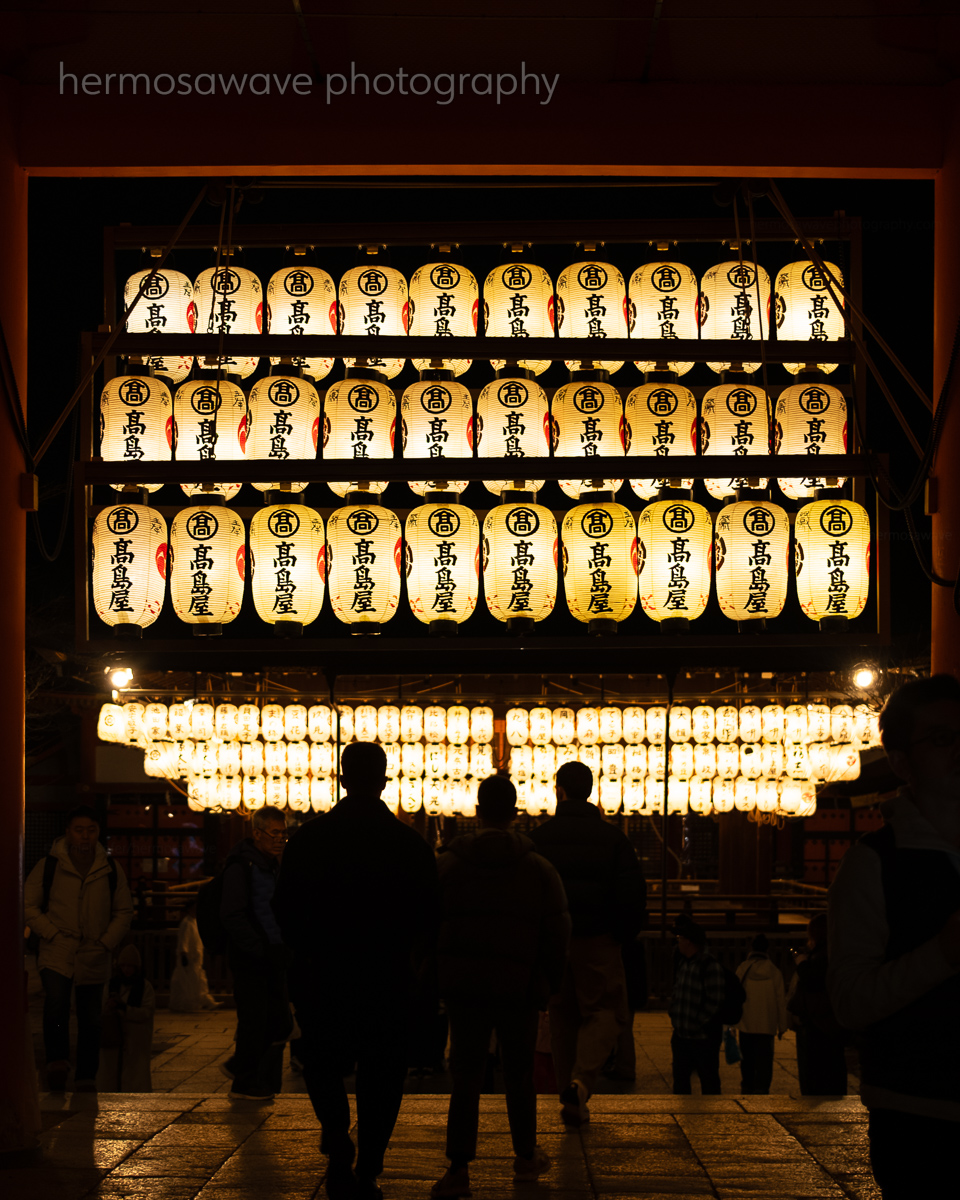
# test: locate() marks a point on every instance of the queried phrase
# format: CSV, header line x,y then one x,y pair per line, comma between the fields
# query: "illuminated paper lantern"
x,y
230,758
588,726
795,723
436,421
768,794
128,566
136,422
442,561
733,307
248,722
796,760
728,760
745,795
772,718
520,563
832,559
458,724
345,718
724,795
481,761
481,724
513,421
701,796
388,723
458,761
750,723
752,560
805,310
359,424
600,563
818,722
287,564
298,794
611,724
810,419
160,760
588,422
155,722
295,723
844,762
589,755
203,792
275,758
301,300
653,796
541,726
656,724
521,762
201,721
727,723
363,564
411,795
204,758
632,797
567,753
178,721
433,797
545,762
254,792
271,722
678,796
133,733
411,723
681,723
226,722
841,723
663,305
229,300
681,760
517,726
444,302
323,793
435,723
661,422
394,759
674,560
166,306
634,725
411,760
635,761
866,725
518,303
321,758
276,790
751,761
611,796
374,303
819,754
207,555
705,759
210,420
592,303
365,723
284,419
321,724
703,723
434,760
772,760
736,420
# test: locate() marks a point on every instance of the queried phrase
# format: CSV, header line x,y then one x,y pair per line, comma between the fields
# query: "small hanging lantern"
x,y
321,758
745,794
436,421
359,424
518,303
319,726
600,564
136,422
271,722
611,761
178,721
661,422
394,758
592,303
345,718
767,795
656,724
733,307
481,724
201,721
806,310
795,723
611,796
810,419
727,723
229,300
210,422
442,560
540,725
818,722
772,718
254,793
634,725
588,422
675,560
545,763
513,421
611,724
635,761
841,723
701,798
411,723
832,560
750,723
226,723
796,760
703,723
323,793
365,723
275,758
207,556
589,755
520,563
411,760
751,760
517,726
458,724
752,556
521,763
128,565
155,722
728,760
388,723
302,299
251,758
563,726
373,303
287,565
588,726
681,723
736,420
411,795
435,723
165,307
283,422
705,759
444,302
363,565
681,760
663,304
229,758
295,724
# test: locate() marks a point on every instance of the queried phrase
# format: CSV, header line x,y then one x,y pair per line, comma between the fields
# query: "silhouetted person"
x,y
821,1042
128,1012
764,1018
698,991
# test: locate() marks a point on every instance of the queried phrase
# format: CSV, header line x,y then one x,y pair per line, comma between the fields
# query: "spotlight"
x,y
865,676
121,677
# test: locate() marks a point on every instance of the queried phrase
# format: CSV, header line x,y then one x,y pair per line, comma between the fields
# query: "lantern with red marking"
x,y
136,422
513,421
444,302
443,551
518,303
374,303
736,420
663,304
592,304
588,422
301,300
735,307
129,565
752,557
229,300
810,419
210,422
363,565
806,310
166,306
207,567
661,422
436,421
283,423
832,560
674,560
287,565
359,424
600,565
520,563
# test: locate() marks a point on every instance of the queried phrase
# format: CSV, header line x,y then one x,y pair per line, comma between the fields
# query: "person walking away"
x,y
894,971
764,1017
622,1064
77,902
501,954
821,1041
258,959
357,903
698,992
189,989
127,1028
606,896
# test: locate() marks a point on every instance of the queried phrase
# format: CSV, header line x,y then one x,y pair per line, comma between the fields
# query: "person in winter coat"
x,y
821,1042
764,1017
128,1018
189,990
501,953
695,1002
80,918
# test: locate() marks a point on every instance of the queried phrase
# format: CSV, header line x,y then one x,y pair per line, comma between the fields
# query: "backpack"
x,y
209,923
49,870
734,998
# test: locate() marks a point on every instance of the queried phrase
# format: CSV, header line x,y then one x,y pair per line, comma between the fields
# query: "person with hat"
x,y
127,1028
698,991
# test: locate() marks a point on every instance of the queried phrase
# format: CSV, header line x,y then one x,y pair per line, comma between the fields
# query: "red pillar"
x,y
19,1116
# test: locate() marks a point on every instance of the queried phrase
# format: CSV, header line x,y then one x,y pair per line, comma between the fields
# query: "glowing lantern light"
x,y
433,797
128,565
567,754
588,726
287,565
767,795
254,792
229,300
437,422
681,723
865,725
359,425
810,419
458,724
727,723
521,762
178,721
772,718
805,310
271,722
388,723
652,796
133,724
772,760
541,726
458,761
563,726
701,800
321,758
411,759
705,759
611,724
681,760
795,723
513,421
276,790
284,419
518,302
728,760
345,717
298,794
632,796
155,722
365,723
435,759
160,760
589,755
635,761
275,758
832,559
201,721
373,303
750,722
322,794
796,760
611,795
841,723
661,422
745,795
226,722
319,726
210,419
818,722
545,762
444,302
517,726
656,724
520,563
136,422
300,300
411,795
751,760
844,762
363,565
481,760
229,758
394,758
724,795
434,723
634,725
166,306
600,564
678,796
791,798
729,295
592,303
674,560
207,556
481,724
736,420
663,304
442,560
703,723
411,723
588,422
295,723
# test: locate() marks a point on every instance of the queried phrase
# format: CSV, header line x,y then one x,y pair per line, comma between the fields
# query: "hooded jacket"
x,y
765,1010
504,924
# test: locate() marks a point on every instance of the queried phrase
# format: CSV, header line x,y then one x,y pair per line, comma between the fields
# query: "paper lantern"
x,y
567,753
810,419
727,723
772,717
750,723
701,796
394,758
388,723
155,722
230,758
160,760
588,422
702,722
656,760
653,790
373,303
434,723
166,306
705,759
411,759
295,723
768,794
322,794
752,559
518,303
321,758
345,719
298,794
610,796
681,760
841,723
411,795
724,795
275,758
611,724
359,424
832,559
284,418
844,762
433,797
728,760
444,302
248,722
795,723
588,726
319,723
436,421
545,762
541,725
592,303
442,561
589,755
202,793
513,421
734,307
656,724
365,723
661,422
772,760
805,309
745,795
796,760
866,725
520,563
751,760
276,790
481,724
207,555
458,761
271,722
736,420
287,564
363,565
128,565
818,722
434,760
210,420
178,721
133,733
600,563
634,725
563,726
226,722
254,792
411,723
681,723
517,726
301,300
674,560
201,721
229,300
663,305
136,422
521,762
458,724
635,761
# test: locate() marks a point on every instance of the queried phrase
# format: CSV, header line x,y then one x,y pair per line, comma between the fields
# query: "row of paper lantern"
x,y
591,302
607,559
280,421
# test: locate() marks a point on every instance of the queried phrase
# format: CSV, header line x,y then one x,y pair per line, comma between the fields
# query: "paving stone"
x,y
71,1150
168,1188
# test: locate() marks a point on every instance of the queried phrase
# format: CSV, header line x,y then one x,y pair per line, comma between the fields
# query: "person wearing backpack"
x,y
76,901
698,1010
764,1017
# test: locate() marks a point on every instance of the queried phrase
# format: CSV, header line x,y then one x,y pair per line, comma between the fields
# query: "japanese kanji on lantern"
x,y
165,307
599,547
128,565
832,551
591,303
662,304
588,421
752,560
444,302
806,310
734,307
735,420
518,303
674,560
229,300
513,421
520,563
810,419
284,421
300,300
660,422
207,566
287,565
442,561
436,421
363,565
210,422
374,303
359,424
136,422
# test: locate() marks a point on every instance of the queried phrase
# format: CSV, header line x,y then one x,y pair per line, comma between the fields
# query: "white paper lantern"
x,y
588,726
275,758
229,758
210,422
458,724
745,795
521,762
589,755
733,307
832,545
810,419
481,723
517,726
434,723
411,760
518,302
674,559
724,795
287,564
133,733
359,425
600,563
865,725
481,761
588,422
436,421
363,564
567,753
751,760
301,300
251,758
736,420
513,421
388,723
632,797
322,794
750,723
160,760
345,718
611,724
663,305
411,795
795,723
394,759
271,722
201,721
298,794
844,762
166,306
365,723
442,561
411,723
128,566
458,761
727,723
653,796
768,794
207,557
254,792
772,717
563,726
374,303
772,761
796,760
678,796
321,758
592,303
661,422
635,761
705,759
611,796
541,725
682,760
701,796
818,722
203,791
634,725
295,723
545,762
136,422
728,760
276,790
284,419
226,722
434,760
444,302
681,723
155,722
520,562
656,724
205,757
178,721
841,723
229,300
805,309
703,723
